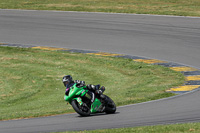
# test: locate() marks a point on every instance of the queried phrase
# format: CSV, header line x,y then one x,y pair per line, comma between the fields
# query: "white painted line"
x,y
101,13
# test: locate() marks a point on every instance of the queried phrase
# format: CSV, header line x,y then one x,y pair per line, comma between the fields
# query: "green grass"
x,y
163,7
176,128
31,84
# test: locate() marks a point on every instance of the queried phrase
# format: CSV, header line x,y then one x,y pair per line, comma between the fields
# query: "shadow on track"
x,y
98,114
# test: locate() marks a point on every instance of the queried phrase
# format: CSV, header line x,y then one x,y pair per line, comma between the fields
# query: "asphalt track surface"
x,y
168,38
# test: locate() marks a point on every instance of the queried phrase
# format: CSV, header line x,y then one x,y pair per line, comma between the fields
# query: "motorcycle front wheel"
x,y
82,110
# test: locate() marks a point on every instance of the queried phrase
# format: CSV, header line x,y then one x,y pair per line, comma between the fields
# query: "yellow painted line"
x,y
150,61
196,77
49,48
184,88
104,54
183,68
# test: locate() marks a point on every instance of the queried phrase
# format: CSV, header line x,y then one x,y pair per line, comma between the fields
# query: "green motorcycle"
x,y
84,107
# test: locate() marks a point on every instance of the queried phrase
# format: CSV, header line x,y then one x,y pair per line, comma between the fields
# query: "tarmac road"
x,y
175,39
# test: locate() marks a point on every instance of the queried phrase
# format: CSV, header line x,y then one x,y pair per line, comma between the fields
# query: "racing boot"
x,y
93,88
100,91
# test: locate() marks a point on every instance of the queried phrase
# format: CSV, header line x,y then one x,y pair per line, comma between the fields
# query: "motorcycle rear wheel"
x,y
110,108
81,110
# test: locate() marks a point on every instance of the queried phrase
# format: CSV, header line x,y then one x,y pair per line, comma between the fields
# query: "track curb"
x,y
192,75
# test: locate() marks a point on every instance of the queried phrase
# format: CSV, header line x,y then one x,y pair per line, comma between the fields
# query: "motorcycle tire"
x,y
110,107
78,109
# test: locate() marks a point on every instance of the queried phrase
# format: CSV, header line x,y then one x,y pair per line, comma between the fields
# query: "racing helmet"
x,y
67,79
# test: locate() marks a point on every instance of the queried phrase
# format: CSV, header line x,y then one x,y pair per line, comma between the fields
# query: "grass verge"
x,y
31,83
176,128
161,7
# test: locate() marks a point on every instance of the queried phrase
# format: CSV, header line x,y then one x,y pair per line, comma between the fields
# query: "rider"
x,y
93,89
